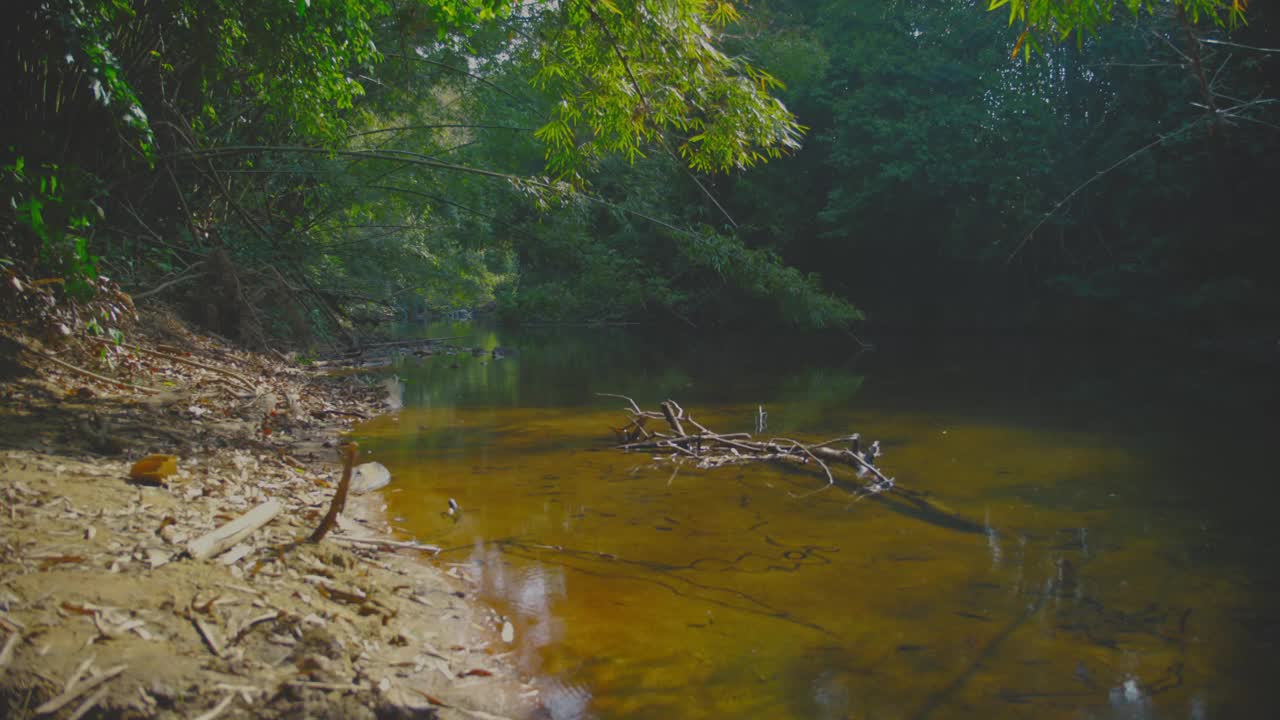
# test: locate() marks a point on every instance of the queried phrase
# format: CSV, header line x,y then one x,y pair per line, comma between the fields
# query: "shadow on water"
x,y
1098,539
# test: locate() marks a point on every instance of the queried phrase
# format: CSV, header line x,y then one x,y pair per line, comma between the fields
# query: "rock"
x,y
368,477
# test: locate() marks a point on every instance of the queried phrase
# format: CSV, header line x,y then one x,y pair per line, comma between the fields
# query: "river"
x,y
1123,563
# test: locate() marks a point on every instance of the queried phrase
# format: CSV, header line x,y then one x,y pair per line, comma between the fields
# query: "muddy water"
x,y
1122,562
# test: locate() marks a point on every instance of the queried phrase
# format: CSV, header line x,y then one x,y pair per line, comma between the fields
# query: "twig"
x,y
207,634
212,368
88,704
1238,45
672,412
861,461
831,479
1096,176
386,543
78,674
347,413
87,373
325,686
254,622
184,276
634,406
217,709
340,497
6,653
400,343
679,448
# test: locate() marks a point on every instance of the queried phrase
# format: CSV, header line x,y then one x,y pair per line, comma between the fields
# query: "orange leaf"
x,y
153,469
1018,46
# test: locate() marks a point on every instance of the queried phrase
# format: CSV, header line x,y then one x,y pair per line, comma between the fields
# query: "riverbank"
x,y
103,613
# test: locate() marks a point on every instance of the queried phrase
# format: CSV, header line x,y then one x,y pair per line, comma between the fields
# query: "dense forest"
x,y
294,168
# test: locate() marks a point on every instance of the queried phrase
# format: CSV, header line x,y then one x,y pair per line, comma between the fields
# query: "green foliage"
x,y
626,73
1060,19
58,221
943,185
761,275
87,33
265,140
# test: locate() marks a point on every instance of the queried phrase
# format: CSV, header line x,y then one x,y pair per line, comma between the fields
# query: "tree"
x,y
943,184
282,133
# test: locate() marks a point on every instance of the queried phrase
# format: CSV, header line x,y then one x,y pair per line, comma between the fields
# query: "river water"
x,y
1121,562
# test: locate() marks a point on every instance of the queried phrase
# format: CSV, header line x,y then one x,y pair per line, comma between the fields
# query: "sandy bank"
x,y
102,613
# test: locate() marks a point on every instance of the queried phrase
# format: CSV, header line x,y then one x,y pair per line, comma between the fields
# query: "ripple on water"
x,y
564,701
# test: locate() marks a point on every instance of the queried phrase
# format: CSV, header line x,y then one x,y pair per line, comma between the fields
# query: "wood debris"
x,y
708,449
77,689
224,537
6,652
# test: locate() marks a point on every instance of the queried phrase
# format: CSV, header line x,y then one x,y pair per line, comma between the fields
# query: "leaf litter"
x,y
112,470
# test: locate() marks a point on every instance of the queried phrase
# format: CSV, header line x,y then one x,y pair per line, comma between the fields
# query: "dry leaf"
x,y
154,469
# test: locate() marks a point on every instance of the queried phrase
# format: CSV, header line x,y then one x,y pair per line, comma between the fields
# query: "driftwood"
x,y
711,450
221,539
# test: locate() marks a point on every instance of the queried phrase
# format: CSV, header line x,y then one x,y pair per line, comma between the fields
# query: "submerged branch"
x,y
710,449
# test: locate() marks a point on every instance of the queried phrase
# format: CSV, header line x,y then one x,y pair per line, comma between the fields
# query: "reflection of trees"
x,y
559,367
811,395
550,367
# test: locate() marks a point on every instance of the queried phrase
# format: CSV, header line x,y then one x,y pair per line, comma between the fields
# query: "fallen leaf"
x,y
78,609
154,469
60,560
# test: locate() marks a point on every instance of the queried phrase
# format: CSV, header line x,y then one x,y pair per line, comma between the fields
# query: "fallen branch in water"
x,y
710,449
713,449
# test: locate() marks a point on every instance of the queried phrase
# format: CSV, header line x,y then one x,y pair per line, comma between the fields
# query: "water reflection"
x,y
993,540
1089,577
394,388
1128,701
529,593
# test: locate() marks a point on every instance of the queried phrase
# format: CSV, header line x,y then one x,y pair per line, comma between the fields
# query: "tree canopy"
x,y
278,167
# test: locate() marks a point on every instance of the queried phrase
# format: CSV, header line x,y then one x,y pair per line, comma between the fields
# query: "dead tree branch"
x,y
710,449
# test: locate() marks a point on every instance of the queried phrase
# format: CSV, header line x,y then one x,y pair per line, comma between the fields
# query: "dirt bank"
x,y
103,613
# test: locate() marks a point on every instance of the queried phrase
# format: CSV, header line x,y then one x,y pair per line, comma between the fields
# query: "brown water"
x,y
1121,562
